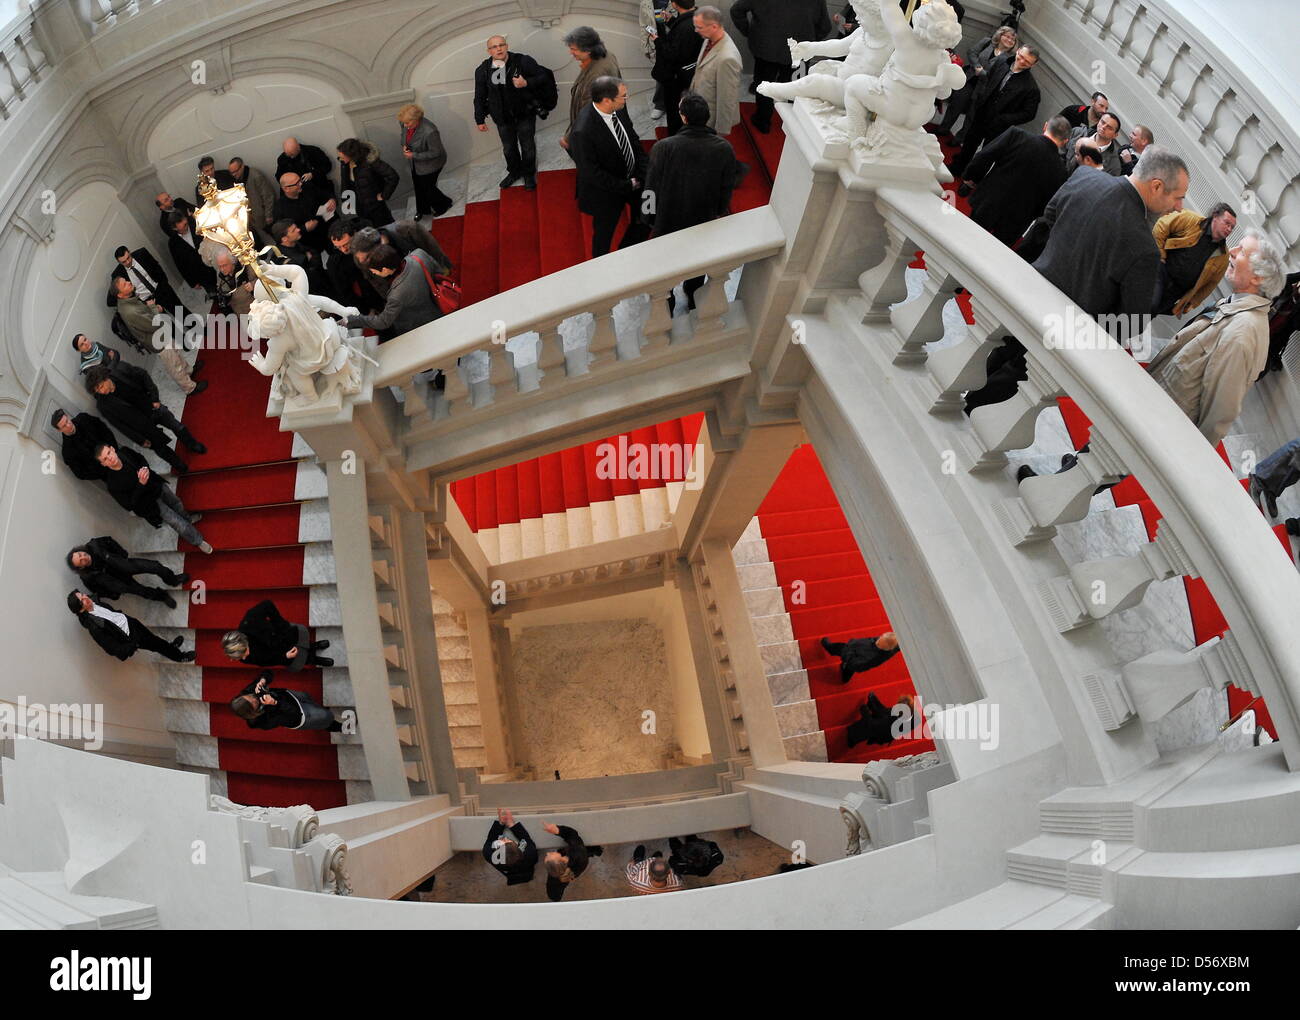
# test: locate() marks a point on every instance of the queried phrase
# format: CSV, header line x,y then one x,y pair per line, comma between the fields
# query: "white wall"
x,y
444,79
250,119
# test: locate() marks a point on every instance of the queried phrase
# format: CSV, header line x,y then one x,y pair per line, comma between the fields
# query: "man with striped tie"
x,y
611,166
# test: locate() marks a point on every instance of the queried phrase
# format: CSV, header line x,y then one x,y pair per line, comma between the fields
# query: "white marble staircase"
x,y
796,712
459,688
39,900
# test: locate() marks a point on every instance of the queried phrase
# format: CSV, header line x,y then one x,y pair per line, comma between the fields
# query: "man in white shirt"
x,y
612,166
120,635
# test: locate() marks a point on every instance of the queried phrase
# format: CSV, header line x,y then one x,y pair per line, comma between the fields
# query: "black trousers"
x,y
140,565
605,222
519,146
672,116
689,287
975,137
768,70
429,199
836,648
1005,369
875,725
151,642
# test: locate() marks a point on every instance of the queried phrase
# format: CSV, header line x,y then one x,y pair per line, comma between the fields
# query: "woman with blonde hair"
x,y
979,58
422,145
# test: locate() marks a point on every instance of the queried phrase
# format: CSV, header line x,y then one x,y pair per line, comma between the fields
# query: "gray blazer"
x,y
430,155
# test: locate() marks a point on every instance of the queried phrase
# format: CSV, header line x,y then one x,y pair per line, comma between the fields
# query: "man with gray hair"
x,y
717,71
1211,363
1138,139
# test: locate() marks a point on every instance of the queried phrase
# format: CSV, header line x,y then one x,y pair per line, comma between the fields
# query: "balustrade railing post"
x,y
963,367
885,284
550,349
603,347
658,329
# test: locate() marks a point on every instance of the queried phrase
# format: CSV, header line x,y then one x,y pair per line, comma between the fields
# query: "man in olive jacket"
x,y
1193,256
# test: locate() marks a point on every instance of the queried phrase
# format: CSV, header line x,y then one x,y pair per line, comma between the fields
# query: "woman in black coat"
x,y
265,638
979,59
369,178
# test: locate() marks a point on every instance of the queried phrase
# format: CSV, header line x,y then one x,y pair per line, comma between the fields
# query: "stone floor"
x,y
578,694
467,878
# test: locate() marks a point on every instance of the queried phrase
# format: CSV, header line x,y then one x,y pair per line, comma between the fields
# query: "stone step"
x,y
454,647
464,714
470,757
449,625
466,736
757,575
780,657
459,693
765,601
806,747
796,718
749,552
1075,864
789,686
774,629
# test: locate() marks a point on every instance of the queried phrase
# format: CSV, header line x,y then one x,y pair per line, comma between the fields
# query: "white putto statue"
x,y
301,346
901,98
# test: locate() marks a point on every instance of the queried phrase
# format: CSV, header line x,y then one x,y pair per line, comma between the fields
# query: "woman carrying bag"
x,y
422,145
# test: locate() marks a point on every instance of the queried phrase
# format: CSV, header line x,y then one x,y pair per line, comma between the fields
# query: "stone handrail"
x,y
23,64
586,324
1210,528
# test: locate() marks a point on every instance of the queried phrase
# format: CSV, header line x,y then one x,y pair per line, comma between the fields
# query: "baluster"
x,y
1098,588
454,390
657,332
33,55
710,315
15,77
885,284
99,12
1048,500
961,367
602,348
1010,424
9,97
501,370
550,349
119,9
416,395
1162,681
920,322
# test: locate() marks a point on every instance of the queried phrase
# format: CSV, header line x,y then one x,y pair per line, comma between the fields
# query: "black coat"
x,y
522,872
193,269
769,23
1100,252
300,210
694,856
285,712
310,160
997,108
129,408
79,448
501,100
1017,174
369,180
124,486
269,635
676,49
576,851
109,636
603,181
691,176
178,205
109,573
224,178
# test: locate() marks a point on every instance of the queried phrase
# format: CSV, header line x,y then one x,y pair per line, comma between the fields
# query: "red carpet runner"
x,y
809,541
244,484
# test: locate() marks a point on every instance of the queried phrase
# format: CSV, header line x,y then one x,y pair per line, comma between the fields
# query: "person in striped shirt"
x,y
651,875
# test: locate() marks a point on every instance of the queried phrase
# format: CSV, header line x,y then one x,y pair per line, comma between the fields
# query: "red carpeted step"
x,y
795,522
573,473
691,426
518,260
507,483
221,683
550,477
261,485
462,491
837,748
1076,422
836,590
530,489
813,543
223,610
842,708
817,568
246,528
277,791
230,416
646,438
812,623
485,501
600,486
479,262
248,568
559,231
768,146
225,725
449,233
755,187
294,761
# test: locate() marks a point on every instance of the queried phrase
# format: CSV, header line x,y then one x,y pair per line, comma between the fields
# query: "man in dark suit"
x,y
1017,174
1007,96
676,48
128,399
310,164
505,87
691,178
140,491
298,202
82,435
121,635
151,283
108,572
768,24
611,166
510,849
168,205
183,245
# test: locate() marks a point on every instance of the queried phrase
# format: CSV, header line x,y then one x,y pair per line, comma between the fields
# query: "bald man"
x,y
310,164
509,87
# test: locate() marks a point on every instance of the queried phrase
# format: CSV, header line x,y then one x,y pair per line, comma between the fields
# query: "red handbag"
x,y
445,290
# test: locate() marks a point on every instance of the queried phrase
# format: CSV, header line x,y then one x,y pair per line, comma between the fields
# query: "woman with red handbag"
x,y
413,295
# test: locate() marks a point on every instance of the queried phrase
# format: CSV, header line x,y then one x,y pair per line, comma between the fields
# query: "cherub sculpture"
x,y
865,50
901,98
301,346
